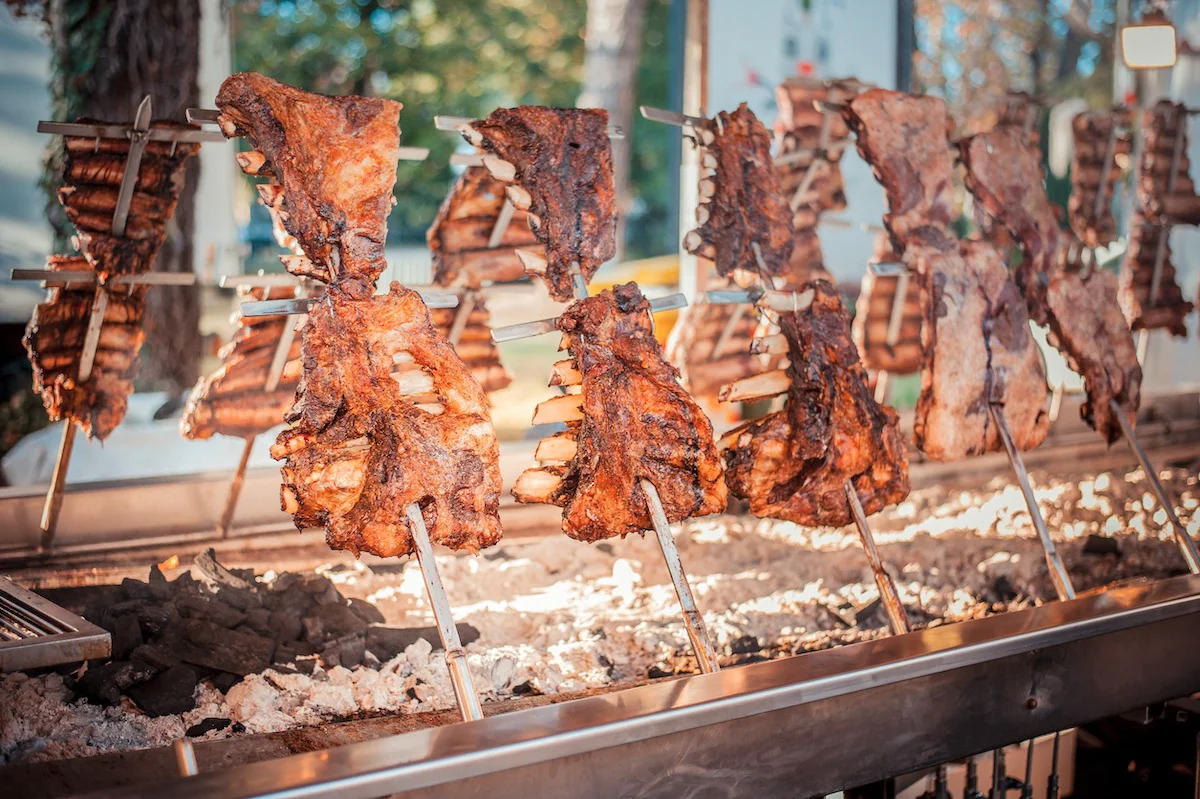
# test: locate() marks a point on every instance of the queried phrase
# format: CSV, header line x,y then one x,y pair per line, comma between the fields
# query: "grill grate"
x,y
35,632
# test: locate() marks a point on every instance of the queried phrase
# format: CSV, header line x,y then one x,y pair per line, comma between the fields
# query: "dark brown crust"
x,y
563,158
638,423
336,159
1091,133
748,205
398,453
459,235
54,339
793,464
233,400
903,138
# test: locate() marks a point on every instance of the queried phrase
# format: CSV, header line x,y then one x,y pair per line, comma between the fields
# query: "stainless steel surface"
x,y
542,326
302,305
782,727
122,131
52,277
52,506
456,659
889,597
35,633
1187,546
702,646
781,301
1058,572
185,758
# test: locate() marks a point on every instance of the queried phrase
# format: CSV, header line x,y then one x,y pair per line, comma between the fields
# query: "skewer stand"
x,y
456,659
1058,572
139,134
1187,546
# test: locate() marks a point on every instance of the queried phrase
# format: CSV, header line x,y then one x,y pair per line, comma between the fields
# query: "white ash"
x,y
556,615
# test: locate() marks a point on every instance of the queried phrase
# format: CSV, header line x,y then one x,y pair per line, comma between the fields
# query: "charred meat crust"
x,y
747,204
337,186
793,464
360,453
563,159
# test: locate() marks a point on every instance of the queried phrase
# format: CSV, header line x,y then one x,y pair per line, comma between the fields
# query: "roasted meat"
x,y
741,199
460,234
793,464
630,421
387,415
1079,308
1101,139
822,135
559,164
1166,193
92,174
235,400
335,159
1150,304
903,138
473,342
979,352
710,345
54,340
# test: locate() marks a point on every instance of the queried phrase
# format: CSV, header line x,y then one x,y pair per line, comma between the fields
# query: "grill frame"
x,y
35,632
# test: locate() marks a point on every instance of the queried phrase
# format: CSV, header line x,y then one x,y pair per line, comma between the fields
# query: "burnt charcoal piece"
x,y
903,138
559,161
157,656
793,464
386,642
365,610
206,726
741,201
348,651
630,421
172,691
332,621
104,684
364,446
126,637
210,610
335,158
206,644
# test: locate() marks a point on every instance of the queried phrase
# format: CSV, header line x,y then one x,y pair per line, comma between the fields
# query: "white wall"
x,y
842,38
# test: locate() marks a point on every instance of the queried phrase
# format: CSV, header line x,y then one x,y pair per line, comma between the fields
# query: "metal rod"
x,y
185,758
432,299
578,284
235,490
501,226
1058,572
198,116
1143,345
133,164
1052,780
1027,787
706,654
781,301
536,328
54,496
671,117
91,339
971,786
1187,546
897,314
446,122
882,384
888,595
283,348
998,789
456,659
87,131
465,306
887,269
54,277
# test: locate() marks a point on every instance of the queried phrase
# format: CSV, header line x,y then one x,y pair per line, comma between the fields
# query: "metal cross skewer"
x,y
1187,546
456,659
447,122
1058,572
888,595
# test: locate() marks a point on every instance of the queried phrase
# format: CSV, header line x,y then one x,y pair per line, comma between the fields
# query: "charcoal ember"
x,y
206,726
168,692
240,598
136,589
1101,545
744,645
185,584
206,644
1003,590
286,624
525,689
348,651
328,622
156,656
154,617
104,684
659,670
202,607
224,680
386,642
258,620
292,598
365,610
126,636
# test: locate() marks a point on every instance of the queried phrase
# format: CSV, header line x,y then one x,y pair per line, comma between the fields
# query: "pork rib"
x,y
365,444
1145,306
335,158
630,421
1093,178
793,464
559,161
741,198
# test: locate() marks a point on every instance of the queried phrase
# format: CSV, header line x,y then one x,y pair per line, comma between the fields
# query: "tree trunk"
x,y
108,56
612,46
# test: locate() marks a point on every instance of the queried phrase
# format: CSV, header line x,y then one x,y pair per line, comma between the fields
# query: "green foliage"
x,y
446,57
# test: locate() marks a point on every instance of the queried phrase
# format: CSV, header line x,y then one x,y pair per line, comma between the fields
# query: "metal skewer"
x,y
971,786
465,306
439,298
543,326
706,654
202,116
447,122
1058,572
456,659
888,595
1027,788
1186,545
